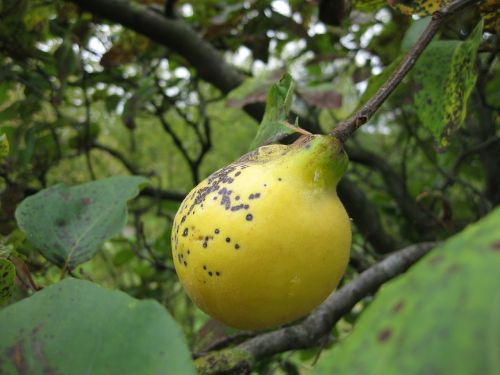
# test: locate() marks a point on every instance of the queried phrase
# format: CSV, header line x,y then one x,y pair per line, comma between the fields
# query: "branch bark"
x,y
347,127
365,217
424,223
307,333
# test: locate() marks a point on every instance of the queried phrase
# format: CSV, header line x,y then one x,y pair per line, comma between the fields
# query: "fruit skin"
x,y
265,240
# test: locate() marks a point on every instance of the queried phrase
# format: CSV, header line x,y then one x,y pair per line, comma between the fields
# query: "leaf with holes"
x,y
76,327
278,104
66,224
444,76
441,317
7,276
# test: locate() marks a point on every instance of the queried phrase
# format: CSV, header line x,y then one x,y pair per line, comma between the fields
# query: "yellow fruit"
x,y
265,240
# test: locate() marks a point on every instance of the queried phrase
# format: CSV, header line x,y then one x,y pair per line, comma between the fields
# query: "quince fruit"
x,y
265,240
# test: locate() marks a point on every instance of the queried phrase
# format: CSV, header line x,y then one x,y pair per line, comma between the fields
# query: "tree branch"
x,y
117,155
170,195
365,216
347,127
172,33
307,333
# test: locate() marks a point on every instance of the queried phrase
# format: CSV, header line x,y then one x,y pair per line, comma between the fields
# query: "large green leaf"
x,y
66,224
76,327
278,104
445,76
441,317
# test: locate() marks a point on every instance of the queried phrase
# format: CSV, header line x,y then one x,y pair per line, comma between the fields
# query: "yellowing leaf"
x,y
418,7
445,76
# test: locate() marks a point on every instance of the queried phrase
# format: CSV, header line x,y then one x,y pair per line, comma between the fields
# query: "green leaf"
x,y
5,88
368,5
441,317
278,103
65,59
7,276
4,146
76,327
413,33
445,76
66,224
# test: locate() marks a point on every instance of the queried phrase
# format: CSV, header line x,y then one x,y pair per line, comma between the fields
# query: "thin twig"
x,y
347,127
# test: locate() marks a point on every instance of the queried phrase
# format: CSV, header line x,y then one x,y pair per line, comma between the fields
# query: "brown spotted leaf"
x,y
66,224
7,278
253,90
418,7
490,10
441,317
444,76
76,327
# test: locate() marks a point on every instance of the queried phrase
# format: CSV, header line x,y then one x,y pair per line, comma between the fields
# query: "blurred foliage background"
x,y
83,97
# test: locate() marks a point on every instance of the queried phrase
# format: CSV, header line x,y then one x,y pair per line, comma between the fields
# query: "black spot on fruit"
x,y
236,246
185,233
217,231
205,245
237,174
204,267
185,263
228,239
209,273
217,273
249,217
237,198
279,179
